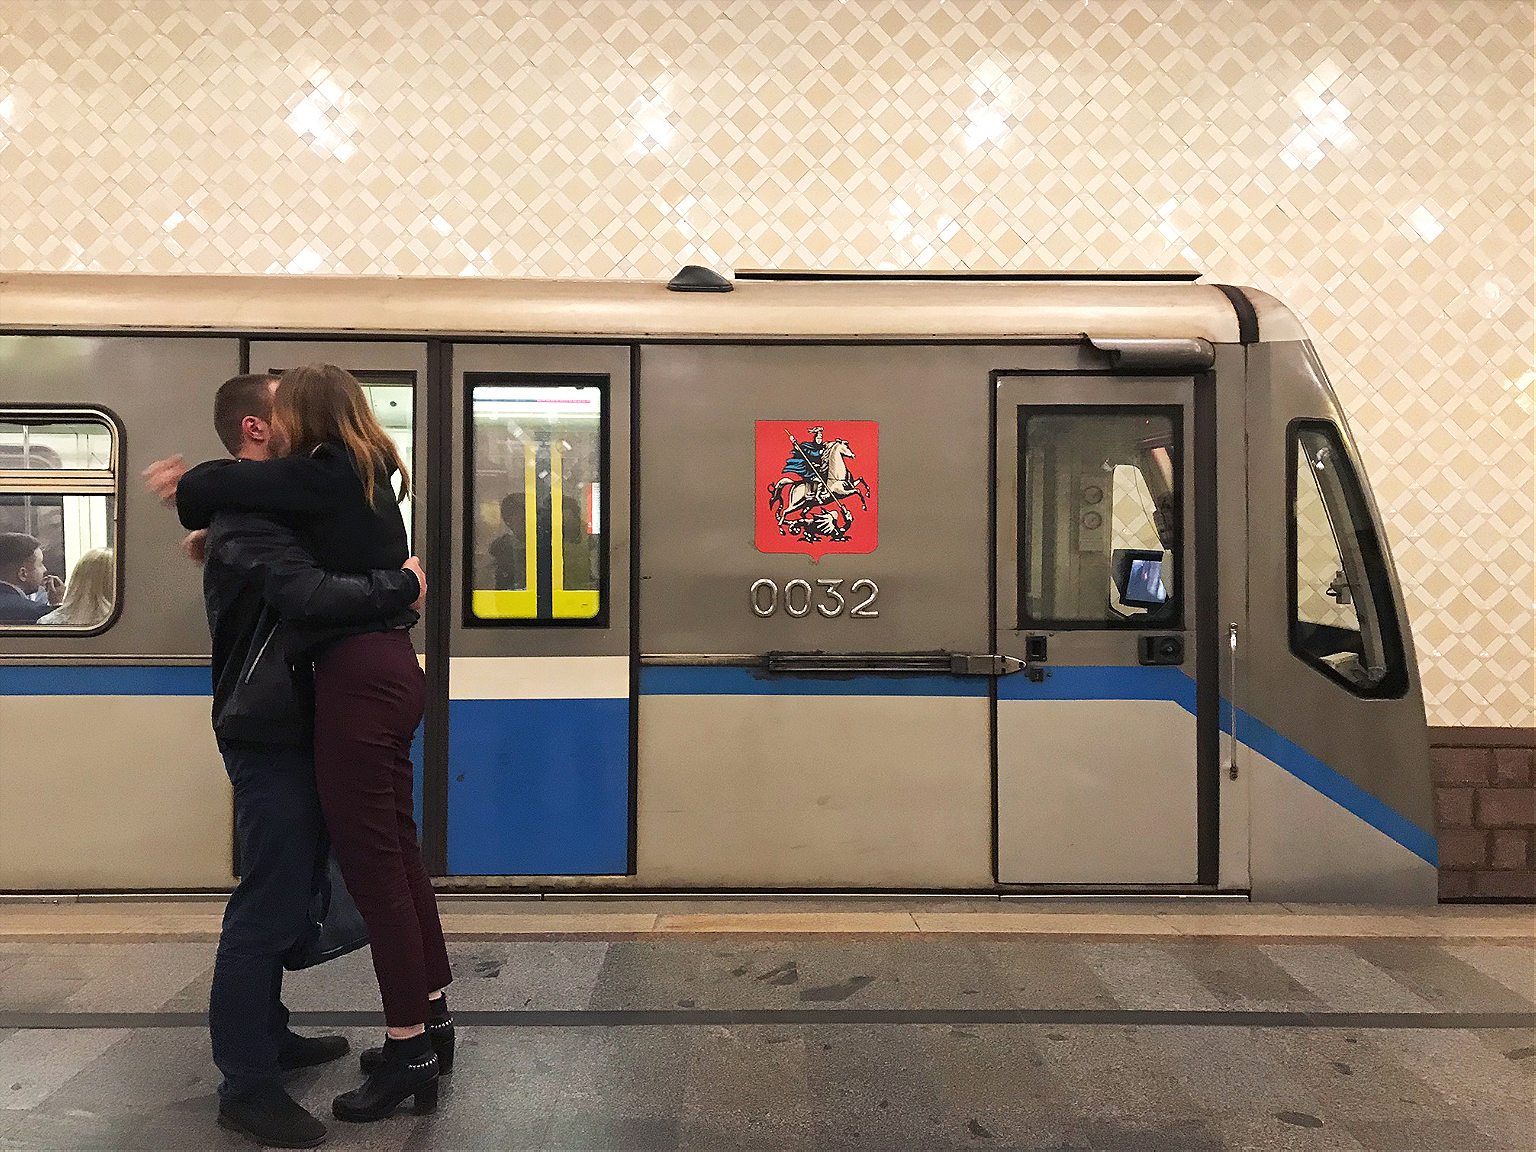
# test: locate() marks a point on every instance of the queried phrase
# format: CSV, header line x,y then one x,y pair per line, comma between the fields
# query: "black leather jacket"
x,y
260,583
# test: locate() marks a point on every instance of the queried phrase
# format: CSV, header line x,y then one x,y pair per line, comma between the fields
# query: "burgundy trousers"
x,y
369,696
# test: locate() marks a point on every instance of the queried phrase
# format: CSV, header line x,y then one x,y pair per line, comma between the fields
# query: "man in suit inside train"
x,y
256,574
27,591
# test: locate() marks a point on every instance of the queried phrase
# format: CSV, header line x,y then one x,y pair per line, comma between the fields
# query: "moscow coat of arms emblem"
x,y
817,486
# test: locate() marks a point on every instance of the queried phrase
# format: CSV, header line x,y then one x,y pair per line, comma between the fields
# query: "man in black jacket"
x,y
258,577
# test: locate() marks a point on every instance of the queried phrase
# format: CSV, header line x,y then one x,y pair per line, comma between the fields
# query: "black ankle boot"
x,y
439,1032
408,1068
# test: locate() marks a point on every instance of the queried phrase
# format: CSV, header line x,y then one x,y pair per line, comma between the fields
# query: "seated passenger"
x,y
507,549
88,599
23,577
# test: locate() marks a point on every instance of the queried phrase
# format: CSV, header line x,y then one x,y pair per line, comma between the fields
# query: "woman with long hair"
x,y
336,483
89,596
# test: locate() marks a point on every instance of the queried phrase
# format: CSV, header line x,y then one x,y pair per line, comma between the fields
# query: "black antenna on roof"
x,y
696,278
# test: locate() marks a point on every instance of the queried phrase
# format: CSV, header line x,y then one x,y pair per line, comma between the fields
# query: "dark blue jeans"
x,y
281,844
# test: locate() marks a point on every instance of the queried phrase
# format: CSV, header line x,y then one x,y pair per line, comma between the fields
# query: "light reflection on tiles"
x,y
1368,163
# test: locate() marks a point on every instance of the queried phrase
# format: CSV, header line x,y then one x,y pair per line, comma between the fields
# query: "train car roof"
x,y
629,309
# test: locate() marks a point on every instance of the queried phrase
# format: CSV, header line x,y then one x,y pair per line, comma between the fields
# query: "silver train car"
x,y
829,582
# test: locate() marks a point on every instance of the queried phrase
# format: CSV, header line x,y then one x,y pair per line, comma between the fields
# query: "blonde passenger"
x,y
89,596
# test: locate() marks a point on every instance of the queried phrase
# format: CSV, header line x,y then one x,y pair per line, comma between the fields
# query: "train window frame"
x,y
1145,622
1395,682
604,384
75,482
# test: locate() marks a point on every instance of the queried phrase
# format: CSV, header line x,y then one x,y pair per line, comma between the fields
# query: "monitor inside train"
x,y
1139,577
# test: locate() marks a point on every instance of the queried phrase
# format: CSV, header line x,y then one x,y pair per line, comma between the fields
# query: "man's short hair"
x,y
16,548
237,398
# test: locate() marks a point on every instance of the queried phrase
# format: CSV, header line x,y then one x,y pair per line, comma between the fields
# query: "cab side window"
x,y
1343,620
59,507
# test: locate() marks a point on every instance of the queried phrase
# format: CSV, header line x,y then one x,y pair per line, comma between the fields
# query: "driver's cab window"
x,y
1099,506
1342,618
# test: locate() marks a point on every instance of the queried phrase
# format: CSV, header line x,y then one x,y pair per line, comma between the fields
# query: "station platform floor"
x,y
851,1022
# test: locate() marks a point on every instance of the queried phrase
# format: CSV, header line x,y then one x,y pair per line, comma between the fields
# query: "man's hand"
x,y
195,545
55,589
414,565
163,476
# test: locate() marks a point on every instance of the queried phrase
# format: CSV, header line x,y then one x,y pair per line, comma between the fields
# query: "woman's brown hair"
x,y
321,403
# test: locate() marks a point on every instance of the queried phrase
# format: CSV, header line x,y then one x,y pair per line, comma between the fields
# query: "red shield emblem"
x,y
818,486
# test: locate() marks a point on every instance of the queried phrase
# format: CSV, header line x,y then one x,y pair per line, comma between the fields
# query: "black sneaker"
x,y
309,1051
271,1118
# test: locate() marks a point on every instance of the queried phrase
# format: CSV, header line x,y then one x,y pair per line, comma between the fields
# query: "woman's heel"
x,y
426,1099
407,1070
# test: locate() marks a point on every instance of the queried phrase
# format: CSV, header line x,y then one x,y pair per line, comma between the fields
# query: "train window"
x,y
1098,505
59,504
534,519
1342,616
392,396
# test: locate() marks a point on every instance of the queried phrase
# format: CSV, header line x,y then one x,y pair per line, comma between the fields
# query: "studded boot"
x,y
407,1069
439,1032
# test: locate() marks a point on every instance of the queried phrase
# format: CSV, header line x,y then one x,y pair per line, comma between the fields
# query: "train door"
x,y
1097,585
538,629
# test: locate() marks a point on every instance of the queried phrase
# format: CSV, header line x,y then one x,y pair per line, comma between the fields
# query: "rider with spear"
x,y
804,466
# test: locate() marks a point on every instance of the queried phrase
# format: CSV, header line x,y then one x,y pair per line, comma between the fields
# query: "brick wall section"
x,y
1485,811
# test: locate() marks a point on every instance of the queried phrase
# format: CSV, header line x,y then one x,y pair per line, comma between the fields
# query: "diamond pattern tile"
x,y
1371,163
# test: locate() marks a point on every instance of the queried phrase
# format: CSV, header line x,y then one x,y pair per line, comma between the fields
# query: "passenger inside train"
x,y
507,550
27,590
89,595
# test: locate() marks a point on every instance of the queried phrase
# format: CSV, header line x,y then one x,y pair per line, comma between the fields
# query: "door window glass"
x,y
1099,510
58,520
535,481
393,400
1342,618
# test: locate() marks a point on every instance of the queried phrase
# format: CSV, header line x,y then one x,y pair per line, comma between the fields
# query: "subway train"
x,y
785,582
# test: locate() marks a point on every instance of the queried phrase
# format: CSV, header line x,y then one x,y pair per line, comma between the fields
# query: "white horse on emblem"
x,y
805,495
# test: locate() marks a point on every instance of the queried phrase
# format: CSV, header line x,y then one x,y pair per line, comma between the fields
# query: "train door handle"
x,y
961,664
1232,700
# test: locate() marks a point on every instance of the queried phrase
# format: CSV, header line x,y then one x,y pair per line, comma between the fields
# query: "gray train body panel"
x,y
1378,746
739,713
118,791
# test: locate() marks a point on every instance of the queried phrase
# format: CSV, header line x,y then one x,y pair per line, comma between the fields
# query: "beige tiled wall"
x,y
1370,163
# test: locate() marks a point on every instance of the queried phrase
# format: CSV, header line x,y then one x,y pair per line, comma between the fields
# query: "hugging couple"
x,y
317,694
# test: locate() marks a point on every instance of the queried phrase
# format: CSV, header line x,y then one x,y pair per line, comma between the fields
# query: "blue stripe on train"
x,y
1340,789
556,728
673,680
1173,684
538,787
136,680
1063,682
105,680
